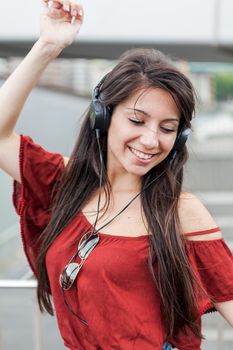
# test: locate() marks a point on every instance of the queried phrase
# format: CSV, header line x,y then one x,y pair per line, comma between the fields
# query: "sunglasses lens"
x,y
68,276
87,245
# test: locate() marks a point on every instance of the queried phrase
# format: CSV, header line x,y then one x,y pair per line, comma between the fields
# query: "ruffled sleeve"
x,y
39,171
212,263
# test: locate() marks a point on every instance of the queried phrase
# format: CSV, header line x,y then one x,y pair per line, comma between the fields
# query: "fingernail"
x,y
74,13
80,12
66,7
50,4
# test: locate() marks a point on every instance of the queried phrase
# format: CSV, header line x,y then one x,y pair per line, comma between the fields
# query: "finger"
x,y
45,3
66,5
52,1
54,4
76,11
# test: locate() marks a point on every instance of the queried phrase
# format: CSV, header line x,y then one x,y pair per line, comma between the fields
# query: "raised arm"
x,y
60,24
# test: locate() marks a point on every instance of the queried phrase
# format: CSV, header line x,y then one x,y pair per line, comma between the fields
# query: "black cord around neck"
x,y
97,133
100,186
130,202
98,211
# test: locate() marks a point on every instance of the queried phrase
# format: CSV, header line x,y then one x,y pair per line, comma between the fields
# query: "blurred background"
x,y
198,36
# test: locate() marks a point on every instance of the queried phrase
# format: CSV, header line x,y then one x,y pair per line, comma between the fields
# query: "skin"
x,y
60,25
142,132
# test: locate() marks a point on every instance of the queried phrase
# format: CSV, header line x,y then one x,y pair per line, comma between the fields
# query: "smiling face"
x,y
142,132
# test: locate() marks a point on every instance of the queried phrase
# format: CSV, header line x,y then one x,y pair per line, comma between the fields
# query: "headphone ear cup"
x,y
100,116
181,138
180,142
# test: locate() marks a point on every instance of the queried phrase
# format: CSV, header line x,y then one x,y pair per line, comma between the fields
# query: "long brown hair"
x,y
136,69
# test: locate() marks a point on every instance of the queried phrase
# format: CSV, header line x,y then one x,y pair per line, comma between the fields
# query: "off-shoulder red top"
x,y
115,292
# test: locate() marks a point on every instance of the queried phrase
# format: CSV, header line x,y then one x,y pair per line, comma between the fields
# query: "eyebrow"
x,y
148,115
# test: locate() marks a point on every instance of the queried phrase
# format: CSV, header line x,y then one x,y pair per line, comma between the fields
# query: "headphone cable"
x,y
100,185
97,133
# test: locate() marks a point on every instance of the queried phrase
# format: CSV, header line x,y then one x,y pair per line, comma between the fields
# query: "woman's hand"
x,y
60,22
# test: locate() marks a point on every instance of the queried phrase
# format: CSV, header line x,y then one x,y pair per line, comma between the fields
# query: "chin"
x,y
139,172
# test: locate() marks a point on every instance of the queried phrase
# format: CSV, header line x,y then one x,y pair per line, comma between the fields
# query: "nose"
x,y
149,138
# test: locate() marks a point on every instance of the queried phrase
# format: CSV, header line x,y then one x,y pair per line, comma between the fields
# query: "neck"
x,y
125,183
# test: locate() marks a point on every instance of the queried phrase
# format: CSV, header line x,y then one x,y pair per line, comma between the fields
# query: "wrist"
x,y
48,50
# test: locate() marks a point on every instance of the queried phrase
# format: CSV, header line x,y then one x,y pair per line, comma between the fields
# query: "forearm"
x,y
226,310
18,86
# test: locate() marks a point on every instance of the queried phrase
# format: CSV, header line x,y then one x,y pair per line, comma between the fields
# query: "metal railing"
x,y
219,334
36,315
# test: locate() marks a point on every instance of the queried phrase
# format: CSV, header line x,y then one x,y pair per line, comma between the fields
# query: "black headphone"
x,y
181,139
101,115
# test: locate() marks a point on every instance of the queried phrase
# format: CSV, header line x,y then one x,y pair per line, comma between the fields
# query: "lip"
x,y
149,154
141,160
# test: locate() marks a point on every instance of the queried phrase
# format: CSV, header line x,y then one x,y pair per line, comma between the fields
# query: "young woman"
x,y
128,259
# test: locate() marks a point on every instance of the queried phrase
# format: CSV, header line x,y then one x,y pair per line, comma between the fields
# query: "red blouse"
x,y
115,292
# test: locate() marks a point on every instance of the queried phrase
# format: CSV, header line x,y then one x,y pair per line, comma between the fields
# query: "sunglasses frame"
x,y
86,244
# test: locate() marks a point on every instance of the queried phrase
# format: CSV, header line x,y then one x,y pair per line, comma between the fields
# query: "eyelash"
x,y
137,122
168,130
140,122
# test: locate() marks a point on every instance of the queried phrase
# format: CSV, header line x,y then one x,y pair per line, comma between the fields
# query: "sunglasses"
x,y
86,244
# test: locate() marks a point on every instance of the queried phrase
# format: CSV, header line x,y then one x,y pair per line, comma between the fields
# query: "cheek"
x,y
119,135
168,142
114,141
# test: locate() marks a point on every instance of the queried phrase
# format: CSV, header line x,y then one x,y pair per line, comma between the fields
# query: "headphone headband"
x,y
101,115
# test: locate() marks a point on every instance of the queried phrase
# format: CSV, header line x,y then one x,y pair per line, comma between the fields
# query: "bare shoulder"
x,y
9,155
66,160
195,217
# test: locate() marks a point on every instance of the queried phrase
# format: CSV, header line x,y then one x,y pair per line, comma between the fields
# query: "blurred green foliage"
x,y
223,85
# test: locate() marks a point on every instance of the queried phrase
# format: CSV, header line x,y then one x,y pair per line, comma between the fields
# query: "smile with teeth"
x,y
141,155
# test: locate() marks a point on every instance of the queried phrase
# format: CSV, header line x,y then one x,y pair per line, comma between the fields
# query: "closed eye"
x,y
168,130
136,121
